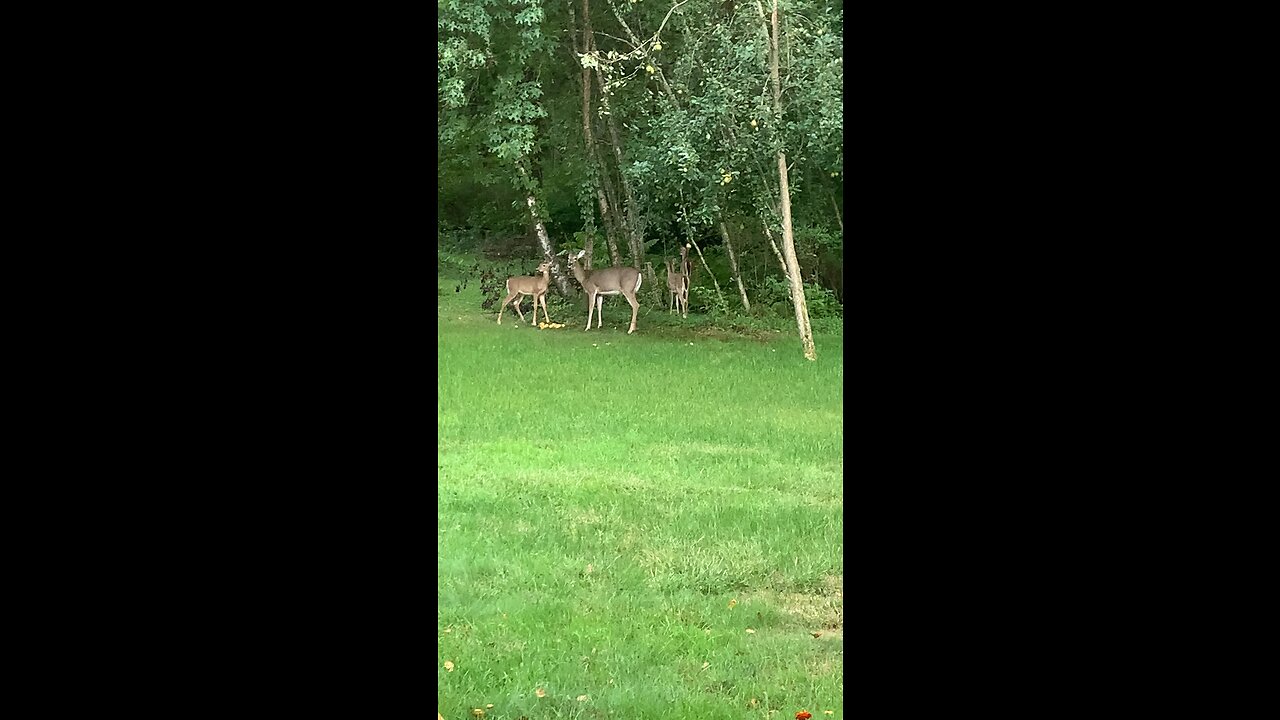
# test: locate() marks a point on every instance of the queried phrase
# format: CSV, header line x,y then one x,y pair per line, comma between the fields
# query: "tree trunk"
x,y
609,223
778,254
635,236
593,153
784,195
733,264
839,219
548,250
608,194
706,267
789,252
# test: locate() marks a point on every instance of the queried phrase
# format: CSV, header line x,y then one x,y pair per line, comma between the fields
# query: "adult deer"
x,y
678,284
624,281
521,285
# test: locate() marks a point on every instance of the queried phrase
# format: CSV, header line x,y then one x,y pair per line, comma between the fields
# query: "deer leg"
x,y
516,305
591,307
599,310
635,308
543,300
504,306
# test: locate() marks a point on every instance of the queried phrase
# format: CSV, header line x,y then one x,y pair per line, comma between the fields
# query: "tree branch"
x,y
664,20
597,32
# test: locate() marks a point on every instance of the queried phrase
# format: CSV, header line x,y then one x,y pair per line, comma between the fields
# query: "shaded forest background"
x,y
629,128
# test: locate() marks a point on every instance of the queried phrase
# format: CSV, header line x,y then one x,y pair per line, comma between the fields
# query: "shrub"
x,y
775,295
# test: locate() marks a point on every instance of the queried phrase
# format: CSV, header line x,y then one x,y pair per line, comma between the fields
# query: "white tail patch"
x,y
639,278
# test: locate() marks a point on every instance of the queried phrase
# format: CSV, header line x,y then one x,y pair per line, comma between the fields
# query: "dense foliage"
x,y
679,144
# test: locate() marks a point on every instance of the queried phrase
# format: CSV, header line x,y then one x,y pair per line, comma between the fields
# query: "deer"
x,y
596,284
678,284
521,285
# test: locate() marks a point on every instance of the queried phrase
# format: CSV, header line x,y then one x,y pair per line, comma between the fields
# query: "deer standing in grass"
x,y
624,281
521,285
678,284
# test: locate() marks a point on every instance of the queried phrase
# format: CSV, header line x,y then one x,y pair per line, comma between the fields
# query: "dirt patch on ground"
x,y
820,611
823,613
834,584
734,333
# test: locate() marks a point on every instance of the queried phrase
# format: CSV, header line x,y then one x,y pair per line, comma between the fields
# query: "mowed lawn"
x,y
644,526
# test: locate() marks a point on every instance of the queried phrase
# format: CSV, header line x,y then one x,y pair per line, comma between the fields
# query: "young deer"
x,y
596,284
521,285
678,284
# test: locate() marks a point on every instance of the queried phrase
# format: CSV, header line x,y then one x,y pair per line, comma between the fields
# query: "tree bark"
x,y
706,267
608,196
789,252
593,154
548,250
609,199
777,253
615,258
635,235
784,196
733,264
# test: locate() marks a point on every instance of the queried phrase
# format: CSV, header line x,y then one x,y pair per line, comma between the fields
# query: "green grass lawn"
x,y
643,526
